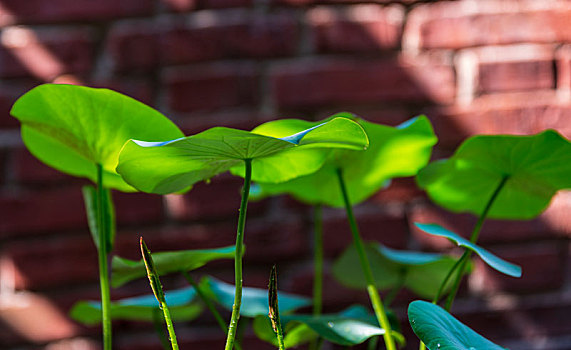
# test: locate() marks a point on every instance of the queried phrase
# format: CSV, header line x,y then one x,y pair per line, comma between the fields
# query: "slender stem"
x,y
103,265
238,258
473,238
170,327
318,260
206,300
158,325
445,282
366,267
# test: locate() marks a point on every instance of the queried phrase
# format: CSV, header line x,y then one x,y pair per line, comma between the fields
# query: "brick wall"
x,y
488,66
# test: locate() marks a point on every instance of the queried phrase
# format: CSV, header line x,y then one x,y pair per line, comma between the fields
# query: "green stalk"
x,y
238,258
103,264
473,238
318,267
159,329
318,260
366,267
158,291
206,300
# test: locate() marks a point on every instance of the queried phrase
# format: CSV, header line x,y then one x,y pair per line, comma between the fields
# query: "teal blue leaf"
x,y
125,270
254,300
489,258
537,167
441,331
182,303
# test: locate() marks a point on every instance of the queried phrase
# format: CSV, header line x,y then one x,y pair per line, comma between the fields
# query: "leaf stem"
x,y
473,238
103,264
238,257
158,322
366,267
274,313
318,267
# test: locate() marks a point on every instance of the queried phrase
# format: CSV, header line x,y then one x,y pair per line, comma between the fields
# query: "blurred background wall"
x,y
488,66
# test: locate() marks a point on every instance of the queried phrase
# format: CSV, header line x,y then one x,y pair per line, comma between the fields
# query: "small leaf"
x,y
349,327
441,331
183,307
90,200
152,273
125,270
173,166
494,261
419,272
254,300
393,152
537,167
73,128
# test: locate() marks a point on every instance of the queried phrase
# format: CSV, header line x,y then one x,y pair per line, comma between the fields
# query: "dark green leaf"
x,y
490,259
73,128
90,200
152,274
393,152
182,305
166,167
537,167
254,300
125,270
441,331
419,272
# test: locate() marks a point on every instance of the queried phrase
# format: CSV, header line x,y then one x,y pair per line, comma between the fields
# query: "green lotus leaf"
x,y
166,167
393,152
183,306
494,261
351,326
441,331
419,272
536,167
254,300
73,128
125,270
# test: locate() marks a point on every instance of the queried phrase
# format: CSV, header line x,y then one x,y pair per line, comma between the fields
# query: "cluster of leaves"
x,y
119,143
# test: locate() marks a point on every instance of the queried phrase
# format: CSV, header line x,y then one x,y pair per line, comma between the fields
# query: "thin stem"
x,y
170,327
366,267
206,300
103,265
238,258
318,260
318,268
445,282
473,238
159,329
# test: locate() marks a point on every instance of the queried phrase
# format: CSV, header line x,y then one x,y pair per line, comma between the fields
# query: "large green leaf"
x,y
351,326
166,167
536,166
125,270
182,305
441,331
393,152
254,300
419,272
494,261
73,128
90,200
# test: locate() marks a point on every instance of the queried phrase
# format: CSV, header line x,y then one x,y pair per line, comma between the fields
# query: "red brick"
x,y
519,113
455,25
9,93
27,169
140,89
187,5
45,54
33,11
563,67
275,239
137,208
514,76
211,87
143,45
374,224
41,211
359,28
543,266
322,82
235,35
71,260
